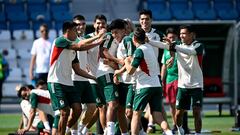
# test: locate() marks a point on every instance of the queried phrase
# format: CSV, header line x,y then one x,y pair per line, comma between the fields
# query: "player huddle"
x,y
115,77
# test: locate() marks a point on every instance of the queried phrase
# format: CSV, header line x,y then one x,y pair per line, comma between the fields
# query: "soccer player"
x,y
25,107
100,22
190,77
145,20
125,85
169,75
88,96
39,99
60,84
148,87
105,71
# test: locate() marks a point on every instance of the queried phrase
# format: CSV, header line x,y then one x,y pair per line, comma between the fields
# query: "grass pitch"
x,y
211,122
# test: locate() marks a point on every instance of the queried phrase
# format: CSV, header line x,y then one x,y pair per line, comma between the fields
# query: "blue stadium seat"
x,y
183,14
18,20
228,14
201,5
208,14
59,5
17,6
180,10
3,24
36,5
163,15
178,4
203,10
39,18
159,10
60,17
226,9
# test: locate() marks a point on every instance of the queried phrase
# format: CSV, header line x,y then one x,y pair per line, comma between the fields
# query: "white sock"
x,y
124,134
150,124
110,128
74,132
46,125
85,130
67,130
168,132
105,131
80,127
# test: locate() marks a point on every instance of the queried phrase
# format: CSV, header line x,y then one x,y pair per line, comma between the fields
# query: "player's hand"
x,y
169,62
22,131
121,61
166,40
117,72
115,80
102,32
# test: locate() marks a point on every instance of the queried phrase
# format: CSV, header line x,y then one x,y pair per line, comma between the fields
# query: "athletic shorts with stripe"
x,y
187,97
85,91
151,95
108,87
63,95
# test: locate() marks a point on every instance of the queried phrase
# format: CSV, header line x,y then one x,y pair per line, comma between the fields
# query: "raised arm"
x,y
159,44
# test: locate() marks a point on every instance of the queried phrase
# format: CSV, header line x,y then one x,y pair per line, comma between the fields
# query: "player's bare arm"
x,y
130,69
87,44
81,72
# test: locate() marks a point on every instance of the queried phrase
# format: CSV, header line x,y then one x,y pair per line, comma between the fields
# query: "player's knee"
x,y
91,108
113,105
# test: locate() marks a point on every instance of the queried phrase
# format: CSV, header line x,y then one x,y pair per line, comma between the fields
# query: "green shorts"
x,y
108,87
186,97
63,95
85,92
130,96
100,100
151,95
123,91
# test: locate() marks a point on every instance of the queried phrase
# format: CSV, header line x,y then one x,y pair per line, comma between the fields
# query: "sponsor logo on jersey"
x,y
61,102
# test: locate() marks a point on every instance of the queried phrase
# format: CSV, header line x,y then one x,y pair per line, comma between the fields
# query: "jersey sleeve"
x,y
33,100
137,58
62,42
107,43
199,48
128,44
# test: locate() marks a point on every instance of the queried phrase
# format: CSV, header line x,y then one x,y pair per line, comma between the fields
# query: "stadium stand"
x,y
203,10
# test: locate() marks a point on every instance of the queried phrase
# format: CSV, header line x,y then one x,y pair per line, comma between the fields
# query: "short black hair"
x,y
139,34
68,25
100,17
79,17
171,30
188,27
24,87
117,24
146,12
